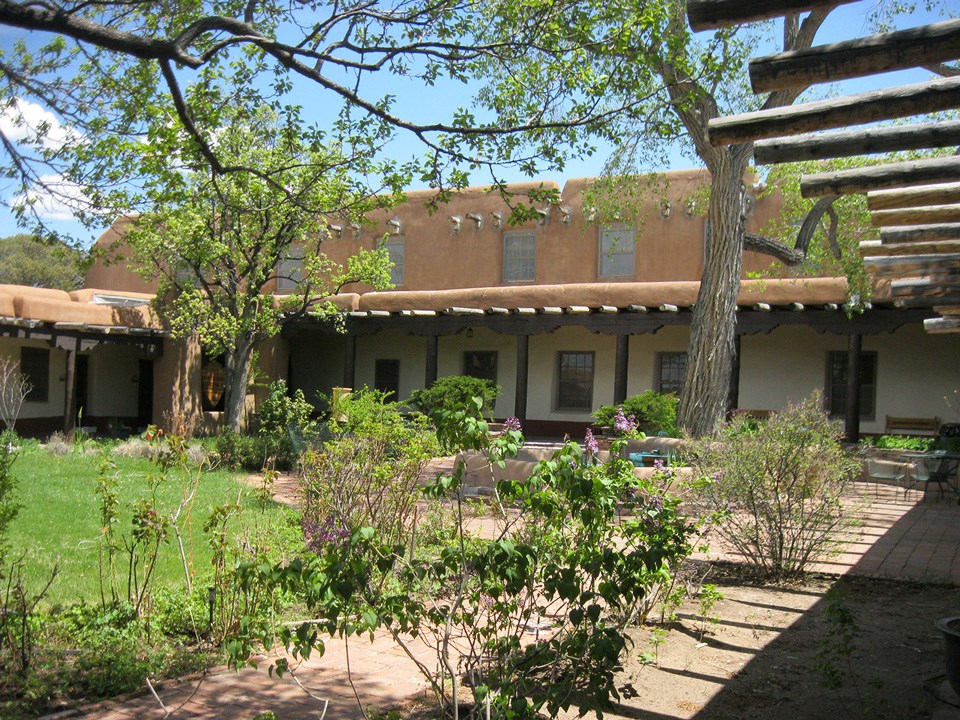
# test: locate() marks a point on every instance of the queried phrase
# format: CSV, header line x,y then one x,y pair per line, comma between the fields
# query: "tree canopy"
x,y
217,244
26,260
118,75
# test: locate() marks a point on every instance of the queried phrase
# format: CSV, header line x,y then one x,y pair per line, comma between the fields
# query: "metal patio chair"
x,y
938,468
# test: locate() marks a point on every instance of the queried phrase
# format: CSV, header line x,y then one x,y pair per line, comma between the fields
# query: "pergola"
x,y
915,205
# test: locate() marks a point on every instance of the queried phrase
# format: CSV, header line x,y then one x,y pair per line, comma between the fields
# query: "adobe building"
x,y
565,312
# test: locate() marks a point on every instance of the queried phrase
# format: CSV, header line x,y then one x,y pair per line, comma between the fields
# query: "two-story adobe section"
x,y
581,306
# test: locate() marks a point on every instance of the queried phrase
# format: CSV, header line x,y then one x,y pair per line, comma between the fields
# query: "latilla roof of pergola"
x,y
915,205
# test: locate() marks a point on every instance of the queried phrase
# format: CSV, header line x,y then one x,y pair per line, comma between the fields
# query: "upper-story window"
x,y
397,249
290,270
617,252
520,256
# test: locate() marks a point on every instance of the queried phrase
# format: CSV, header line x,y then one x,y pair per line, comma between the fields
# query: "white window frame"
x,y
616,255
290,269
397,249
519,249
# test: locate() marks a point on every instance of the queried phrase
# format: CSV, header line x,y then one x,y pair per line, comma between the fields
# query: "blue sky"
x,y
845,22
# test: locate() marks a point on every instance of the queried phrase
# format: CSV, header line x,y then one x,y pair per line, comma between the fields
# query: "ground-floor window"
x,y
671,371
35,364
480,364
386,377
836,385
575,381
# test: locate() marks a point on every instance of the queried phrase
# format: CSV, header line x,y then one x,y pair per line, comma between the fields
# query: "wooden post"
x,y
880,177
620,372
70,394
733,399
851,425
433,344
520,398
350,362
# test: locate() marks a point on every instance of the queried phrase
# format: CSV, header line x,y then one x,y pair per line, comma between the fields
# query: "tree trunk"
x,y
713,329
235,382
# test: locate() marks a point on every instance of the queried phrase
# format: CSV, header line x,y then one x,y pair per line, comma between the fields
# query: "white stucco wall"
x,y
53,407
410,350
450,351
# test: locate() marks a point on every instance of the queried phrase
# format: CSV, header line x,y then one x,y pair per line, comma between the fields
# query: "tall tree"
x,y
703,77
217,244
27,260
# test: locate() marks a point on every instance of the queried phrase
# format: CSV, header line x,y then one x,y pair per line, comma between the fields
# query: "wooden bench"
x,y
911,425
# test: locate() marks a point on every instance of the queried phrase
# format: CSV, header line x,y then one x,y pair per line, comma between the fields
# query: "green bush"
x,y
654,412
254,452
454,393
280,412
902,442
778,492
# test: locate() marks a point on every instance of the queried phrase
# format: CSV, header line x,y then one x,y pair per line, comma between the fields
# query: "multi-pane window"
x,y
520,256
836,386
35,365
386,377
481,364
671,371
617,252
397,250
575,381
290,270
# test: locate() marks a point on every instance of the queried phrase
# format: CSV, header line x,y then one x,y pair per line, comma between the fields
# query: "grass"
x,y
60,519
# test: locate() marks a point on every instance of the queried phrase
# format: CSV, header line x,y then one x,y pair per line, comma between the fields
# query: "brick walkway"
x,y
908,538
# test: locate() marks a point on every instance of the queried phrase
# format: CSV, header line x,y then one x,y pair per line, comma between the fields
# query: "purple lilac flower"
x,y
590,443
512,423
326,532
622,423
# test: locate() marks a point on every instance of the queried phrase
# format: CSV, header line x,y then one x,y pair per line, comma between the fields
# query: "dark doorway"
x,y
145,393
386,378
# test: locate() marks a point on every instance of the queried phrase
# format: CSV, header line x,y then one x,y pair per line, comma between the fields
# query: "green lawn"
x,y
60,519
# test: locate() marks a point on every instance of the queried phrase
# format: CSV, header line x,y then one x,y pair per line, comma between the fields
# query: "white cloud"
x,y
54,198
21,120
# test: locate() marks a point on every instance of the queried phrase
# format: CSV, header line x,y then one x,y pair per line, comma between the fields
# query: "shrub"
x,y
653,412
779,491
901,442
566,563
368,473
280,411
254,452
454,393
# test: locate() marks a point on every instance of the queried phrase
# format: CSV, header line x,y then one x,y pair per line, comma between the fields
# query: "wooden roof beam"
x,y
875,247
916,47
942,325
920,233
880,177
865,141
909,265
930,214
939,194
873,106
713,14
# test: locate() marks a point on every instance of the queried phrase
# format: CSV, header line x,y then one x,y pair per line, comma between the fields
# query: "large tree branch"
x,y
792,256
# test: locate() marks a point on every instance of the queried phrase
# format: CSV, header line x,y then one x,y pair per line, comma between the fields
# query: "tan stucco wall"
x,y
440,257
176,384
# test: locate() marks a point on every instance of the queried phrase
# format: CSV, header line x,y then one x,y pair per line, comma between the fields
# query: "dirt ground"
x,y
766,653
